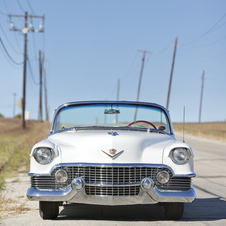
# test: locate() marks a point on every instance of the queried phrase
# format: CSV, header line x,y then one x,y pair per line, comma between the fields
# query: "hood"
x,y
89,146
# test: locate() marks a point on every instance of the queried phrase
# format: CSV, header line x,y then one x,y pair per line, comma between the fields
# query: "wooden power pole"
x,y
200,107
45,89
140,79
40,85
171,74
25,31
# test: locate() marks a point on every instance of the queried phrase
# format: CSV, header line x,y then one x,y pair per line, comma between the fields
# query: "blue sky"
x,y
89,45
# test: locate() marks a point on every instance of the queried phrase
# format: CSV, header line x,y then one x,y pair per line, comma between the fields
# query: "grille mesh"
x,y
99,180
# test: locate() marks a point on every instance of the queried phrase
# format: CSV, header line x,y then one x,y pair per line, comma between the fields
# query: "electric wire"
x,y
34,43
30,7
207,32
9,41
131,66
31,72
5,6
162,51
208,44
4,14
17,41
7,53
20,6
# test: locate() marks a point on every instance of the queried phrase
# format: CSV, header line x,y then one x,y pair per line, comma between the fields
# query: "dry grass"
x,y
15,147
212,130
11,207
16,144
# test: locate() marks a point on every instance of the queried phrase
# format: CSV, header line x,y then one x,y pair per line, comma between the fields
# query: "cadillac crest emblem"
x,y
113,153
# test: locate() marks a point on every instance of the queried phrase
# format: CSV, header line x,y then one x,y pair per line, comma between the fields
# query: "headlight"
x,y
180,155
61,176
43,155
163,177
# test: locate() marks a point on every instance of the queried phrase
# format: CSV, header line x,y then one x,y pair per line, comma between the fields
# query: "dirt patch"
x,y
13,199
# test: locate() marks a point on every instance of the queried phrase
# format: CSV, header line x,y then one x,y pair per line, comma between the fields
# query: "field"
x,y
16,144
212,130
15,147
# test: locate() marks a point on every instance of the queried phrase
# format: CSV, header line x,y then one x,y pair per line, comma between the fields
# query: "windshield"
x,y
111,115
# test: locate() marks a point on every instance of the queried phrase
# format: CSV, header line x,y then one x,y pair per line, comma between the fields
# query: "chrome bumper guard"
x,y
145,197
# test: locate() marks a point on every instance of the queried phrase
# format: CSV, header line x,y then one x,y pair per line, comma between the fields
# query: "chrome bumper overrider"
x,y
72,196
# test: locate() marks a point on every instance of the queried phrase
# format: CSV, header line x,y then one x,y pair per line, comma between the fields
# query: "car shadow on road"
x,y
200,210
205,210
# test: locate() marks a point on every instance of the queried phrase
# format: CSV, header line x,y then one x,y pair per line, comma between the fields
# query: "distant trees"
x,y
17,116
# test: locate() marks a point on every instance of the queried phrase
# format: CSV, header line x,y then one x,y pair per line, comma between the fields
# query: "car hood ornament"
x,y
112,153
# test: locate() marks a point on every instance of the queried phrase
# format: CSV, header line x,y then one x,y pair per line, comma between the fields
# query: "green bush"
x,y
17,116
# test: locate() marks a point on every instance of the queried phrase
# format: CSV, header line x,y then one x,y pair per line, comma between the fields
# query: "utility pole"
x,y
45,89
14,104
25,30
24,73
41,60
171,74
118,89
141,73
200,107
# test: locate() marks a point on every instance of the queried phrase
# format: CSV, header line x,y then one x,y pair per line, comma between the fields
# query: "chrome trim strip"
x,y
101,165
113,185
172,196
185,175
152,196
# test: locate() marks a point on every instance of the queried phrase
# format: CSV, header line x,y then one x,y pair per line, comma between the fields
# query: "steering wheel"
x,y
143,122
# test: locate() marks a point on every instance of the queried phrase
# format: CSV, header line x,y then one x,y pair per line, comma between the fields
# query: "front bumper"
x,y
150,197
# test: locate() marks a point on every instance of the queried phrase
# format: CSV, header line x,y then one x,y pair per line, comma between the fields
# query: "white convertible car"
x,y
111,153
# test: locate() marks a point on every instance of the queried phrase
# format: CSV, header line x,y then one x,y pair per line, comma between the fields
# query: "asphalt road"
x,y
209,208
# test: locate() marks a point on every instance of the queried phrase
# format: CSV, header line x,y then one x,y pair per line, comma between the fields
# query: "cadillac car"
x,y
111,153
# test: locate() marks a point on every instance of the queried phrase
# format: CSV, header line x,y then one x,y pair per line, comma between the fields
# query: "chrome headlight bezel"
x,y
180,155
44,155
163,177
59,177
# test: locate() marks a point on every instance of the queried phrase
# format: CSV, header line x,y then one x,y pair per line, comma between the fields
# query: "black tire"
x,y
48,210
173,210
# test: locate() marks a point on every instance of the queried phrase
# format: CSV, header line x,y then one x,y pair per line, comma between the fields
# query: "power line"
x,y
208,44
9,41
5,6
31,7
34,43
9,54
208,31
17,41
4,14
20,6
132,64
31,72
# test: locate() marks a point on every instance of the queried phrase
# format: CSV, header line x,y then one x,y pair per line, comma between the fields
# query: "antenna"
x,y
183,124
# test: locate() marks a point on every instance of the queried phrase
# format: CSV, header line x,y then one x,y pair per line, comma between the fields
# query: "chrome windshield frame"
x,y
80,103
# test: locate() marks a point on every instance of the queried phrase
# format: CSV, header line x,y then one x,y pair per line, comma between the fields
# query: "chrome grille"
x,y
113,175
112,191
110,181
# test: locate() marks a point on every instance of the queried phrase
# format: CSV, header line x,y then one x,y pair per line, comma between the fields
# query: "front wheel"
x,y
48,210
173,210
